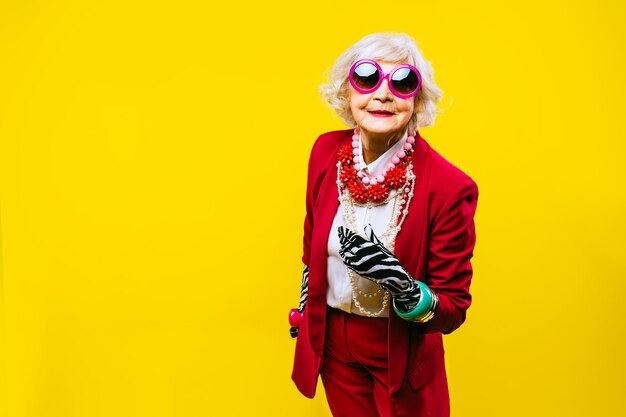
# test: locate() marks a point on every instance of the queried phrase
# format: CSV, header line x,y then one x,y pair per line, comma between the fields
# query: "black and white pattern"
x,y
372,260
304,293
304,289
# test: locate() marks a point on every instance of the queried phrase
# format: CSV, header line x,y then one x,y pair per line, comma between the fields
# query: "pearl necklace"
x,y
363,188
349,170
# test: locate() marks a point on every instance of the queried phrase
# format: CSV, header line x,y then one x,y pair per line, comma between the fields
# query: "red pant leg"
x,y
355,373
431,400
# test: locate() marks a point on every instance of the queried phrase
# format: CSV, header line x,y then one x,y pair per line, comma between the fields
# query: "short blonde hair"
x,y
390,47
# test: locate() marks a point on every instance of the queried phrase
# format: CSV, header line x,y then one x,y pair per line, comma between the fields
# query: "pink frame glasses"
x,y
404,81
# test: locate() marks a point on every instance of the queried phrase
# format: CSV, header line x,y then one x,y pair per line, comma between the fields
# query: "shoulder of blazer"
x,y
444,169
327,145
324,155
445,180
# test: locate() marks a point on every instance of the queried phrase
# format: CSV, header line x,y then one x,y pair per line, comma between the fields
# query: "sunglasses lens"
x,y
366,76
405,81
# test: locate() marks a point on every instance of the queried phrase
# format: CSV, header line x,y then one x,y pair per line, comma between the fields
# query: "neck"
x,y
375,145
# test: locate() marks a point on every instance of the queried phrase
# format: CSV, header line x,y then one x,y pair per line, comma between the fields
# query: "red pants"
x,y
354,373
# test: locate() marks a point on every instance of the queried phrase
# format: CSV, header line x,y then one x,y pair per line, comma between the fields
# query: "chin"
x,y
382,126
380,129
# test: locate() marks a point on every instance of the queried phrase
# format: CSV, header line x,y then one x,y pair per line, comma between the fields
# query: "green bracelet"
x,y
422,308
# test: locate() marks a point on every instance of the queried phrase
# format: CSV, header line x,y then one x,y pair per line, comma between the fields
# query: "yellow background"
x,y
153,167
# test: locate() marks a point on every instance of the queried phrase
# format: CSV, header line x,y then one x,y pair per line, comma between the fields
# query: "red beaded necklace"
x,y
363,188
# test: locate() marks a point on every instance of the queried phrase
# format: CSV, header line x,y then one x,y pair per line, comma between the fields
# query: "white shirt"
x,y
339,290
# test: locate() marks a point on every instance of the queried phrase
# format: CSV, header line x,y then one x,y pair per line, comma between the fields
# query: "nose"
x,y
383,93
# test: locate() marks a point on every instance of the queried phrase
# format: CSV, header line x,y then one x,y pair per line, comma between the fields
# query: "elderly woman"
x,y
388,238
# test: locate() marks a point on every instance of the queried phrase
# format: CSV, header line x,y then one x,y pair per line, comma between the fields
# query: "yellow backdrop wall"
x,y
153,165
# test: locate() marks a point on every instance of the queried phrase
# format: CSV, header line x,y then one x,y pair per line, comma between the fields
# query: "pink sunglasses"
x,y
366,76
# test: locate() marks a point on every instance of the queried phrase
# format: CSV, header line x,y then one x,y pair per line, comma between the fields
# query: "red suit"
x,y
435,246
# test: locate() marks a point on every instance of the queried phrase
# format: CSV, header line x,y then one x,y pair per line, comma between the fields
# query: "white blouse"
x,y
339,291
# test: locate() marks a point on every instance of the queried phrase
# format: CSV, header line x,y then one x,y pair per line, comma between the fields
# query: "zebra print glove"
x,y
372,260
304,292
304,289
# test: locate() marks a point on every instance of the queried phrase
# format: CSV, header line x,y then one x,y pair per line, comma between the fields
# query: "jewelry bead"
x,y
410,139
295,317
395,160
407,146
373,181
355,152
360,174
366,180
380,178
357,167
401,154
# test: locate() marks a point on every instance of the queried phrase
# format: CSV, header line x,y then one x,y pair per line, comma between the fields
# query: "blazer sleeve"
x,y
312,180
451,246
308,228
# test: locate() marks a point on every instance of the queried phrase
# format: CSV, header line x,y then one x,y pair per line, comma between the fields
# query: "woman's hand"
x,y
372,260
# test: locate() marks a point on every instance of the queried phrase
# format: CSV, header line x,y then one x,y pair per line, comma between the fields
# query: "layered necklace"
x,y
356,188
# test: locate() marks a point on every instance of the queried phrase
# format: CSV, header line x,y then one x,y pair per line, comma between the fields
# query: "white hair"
x,y
390,47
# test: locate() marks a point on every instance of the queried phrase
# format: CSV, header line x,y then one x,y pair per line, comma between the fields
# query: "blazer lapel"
x,y
409,239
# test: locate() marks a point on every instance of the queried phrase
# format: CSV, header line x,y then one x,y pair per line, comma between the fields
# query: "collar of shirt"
x,y
377,167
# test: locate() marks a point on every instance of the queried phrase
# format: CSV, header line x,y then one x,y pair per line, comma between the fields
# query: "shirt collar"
x,y
377,167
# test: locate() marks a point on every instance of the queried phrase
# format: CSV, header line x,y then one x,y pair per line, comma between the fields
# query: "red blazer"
x,y
435,245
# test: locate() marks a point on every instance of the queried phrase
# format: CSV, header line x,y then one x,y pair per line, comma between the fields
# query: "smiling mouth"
x,y
380,113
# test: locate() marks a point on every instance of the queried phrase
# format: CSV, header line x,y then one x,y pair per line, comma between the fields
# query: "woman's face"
x,y
381,113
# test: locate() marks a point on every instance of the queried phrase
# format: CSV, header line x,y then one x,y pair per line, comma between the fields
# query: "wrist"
x,y
424,310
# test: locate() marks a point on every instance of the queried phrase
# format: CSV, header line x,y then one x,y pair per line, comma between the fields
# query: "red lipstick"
x,y
380,113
